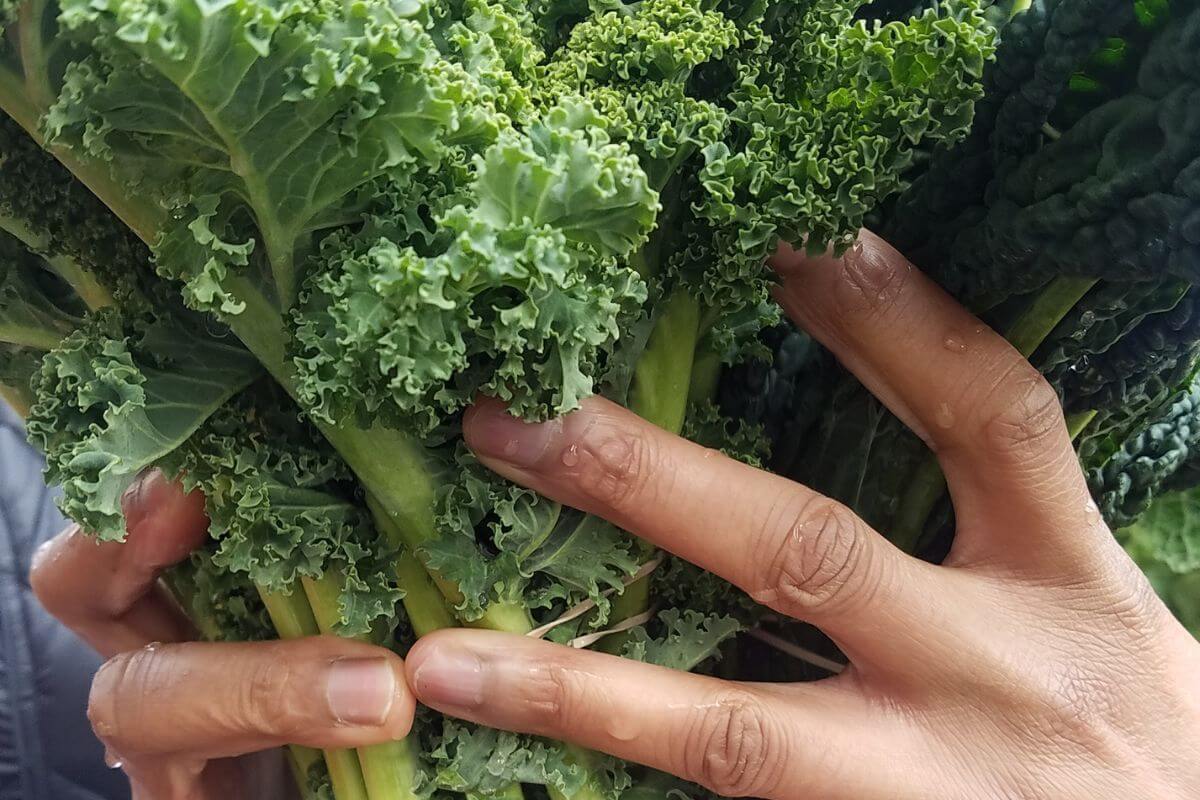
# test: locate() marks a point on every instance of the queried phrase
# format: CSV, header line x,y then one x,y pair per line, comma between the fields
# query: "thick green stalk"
x,y
661,387
81,280
1026,334
425,605
389,769
1078,422
663,376
182,589
293,619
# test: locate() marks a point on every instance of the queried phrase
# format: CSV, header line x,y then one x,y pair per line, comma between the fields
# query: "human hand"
x,y
196,720
1036,662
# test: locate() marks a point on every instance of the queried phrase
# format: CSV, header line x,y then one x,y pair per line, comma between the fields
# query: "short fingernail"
x,y
360,691
492,432
450,677
133,501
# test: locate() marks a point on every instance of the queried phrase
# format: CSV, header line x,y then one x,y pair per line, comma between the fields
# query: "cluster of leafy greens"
x,y
1069,219
275,247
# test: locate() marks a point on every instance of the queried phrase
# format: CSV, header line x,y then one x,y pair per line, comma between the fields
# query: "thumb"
x,y
210,701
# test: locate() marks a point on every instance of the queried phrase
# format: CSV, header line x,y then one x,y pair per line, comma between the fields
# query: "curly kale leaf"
x,y
502,543
680,639
282,507
114,398
522,304
482,762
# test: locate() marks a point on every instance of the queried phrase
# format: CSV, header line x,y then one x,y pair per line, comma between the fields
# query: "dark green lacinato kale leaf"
x,y
116,396
783,391
1111,194
1128,467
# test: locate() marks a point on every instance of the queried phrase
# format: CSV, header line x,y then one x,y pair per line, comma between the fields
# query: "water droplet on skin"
x,y
570,456
511,447
624,728
150,648
112,760
954,344
1091,513
944,416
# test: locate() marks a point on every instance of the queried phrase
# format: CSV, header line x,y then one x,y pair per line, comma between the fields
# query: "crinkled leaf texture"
x,y
532,550
482,761
522,304
282,506
114,399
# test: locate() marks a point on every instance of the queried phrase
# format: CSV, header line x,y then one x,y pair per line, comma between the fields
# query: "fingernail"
x,y
134,503
492,432
450,677
360,691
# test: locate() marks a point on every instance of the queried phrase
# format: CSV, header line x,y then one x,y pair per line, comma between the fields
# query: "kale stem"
x,y
1077,422
661,386
1025,334
425,604
293,618
181,586
33,61
389,769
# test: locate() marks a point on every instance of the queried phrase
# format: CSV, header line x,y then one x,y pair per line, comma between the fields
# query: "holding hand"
x,y
204,721
1035,663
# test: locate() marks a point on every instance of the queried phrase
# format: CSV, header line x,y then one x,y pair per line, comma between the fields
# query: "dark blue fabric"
x,y
47,750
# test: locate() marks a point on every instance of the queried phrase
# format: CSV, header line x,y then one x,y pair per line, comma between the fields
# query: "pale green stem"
x,y
389,769
293,619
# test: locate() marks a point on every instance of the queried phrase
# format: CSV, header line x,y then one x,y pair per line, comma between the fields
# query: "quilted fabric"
x,y
47,750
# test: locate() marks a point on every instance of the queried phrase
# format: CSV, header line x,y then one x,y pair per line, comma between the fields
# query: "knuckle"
x,y
552,693
268,701
730,748
1023,418
870,280
613,469
819,564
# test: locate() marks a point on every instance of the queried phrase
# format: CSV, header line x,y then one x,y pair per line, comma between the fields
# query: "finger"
x,y
736,739
788,547
995,423
108,592
206,701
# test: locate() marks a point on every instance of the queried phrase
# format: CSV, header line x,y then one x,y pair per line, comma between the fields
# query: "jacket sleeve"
x,y
47,750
